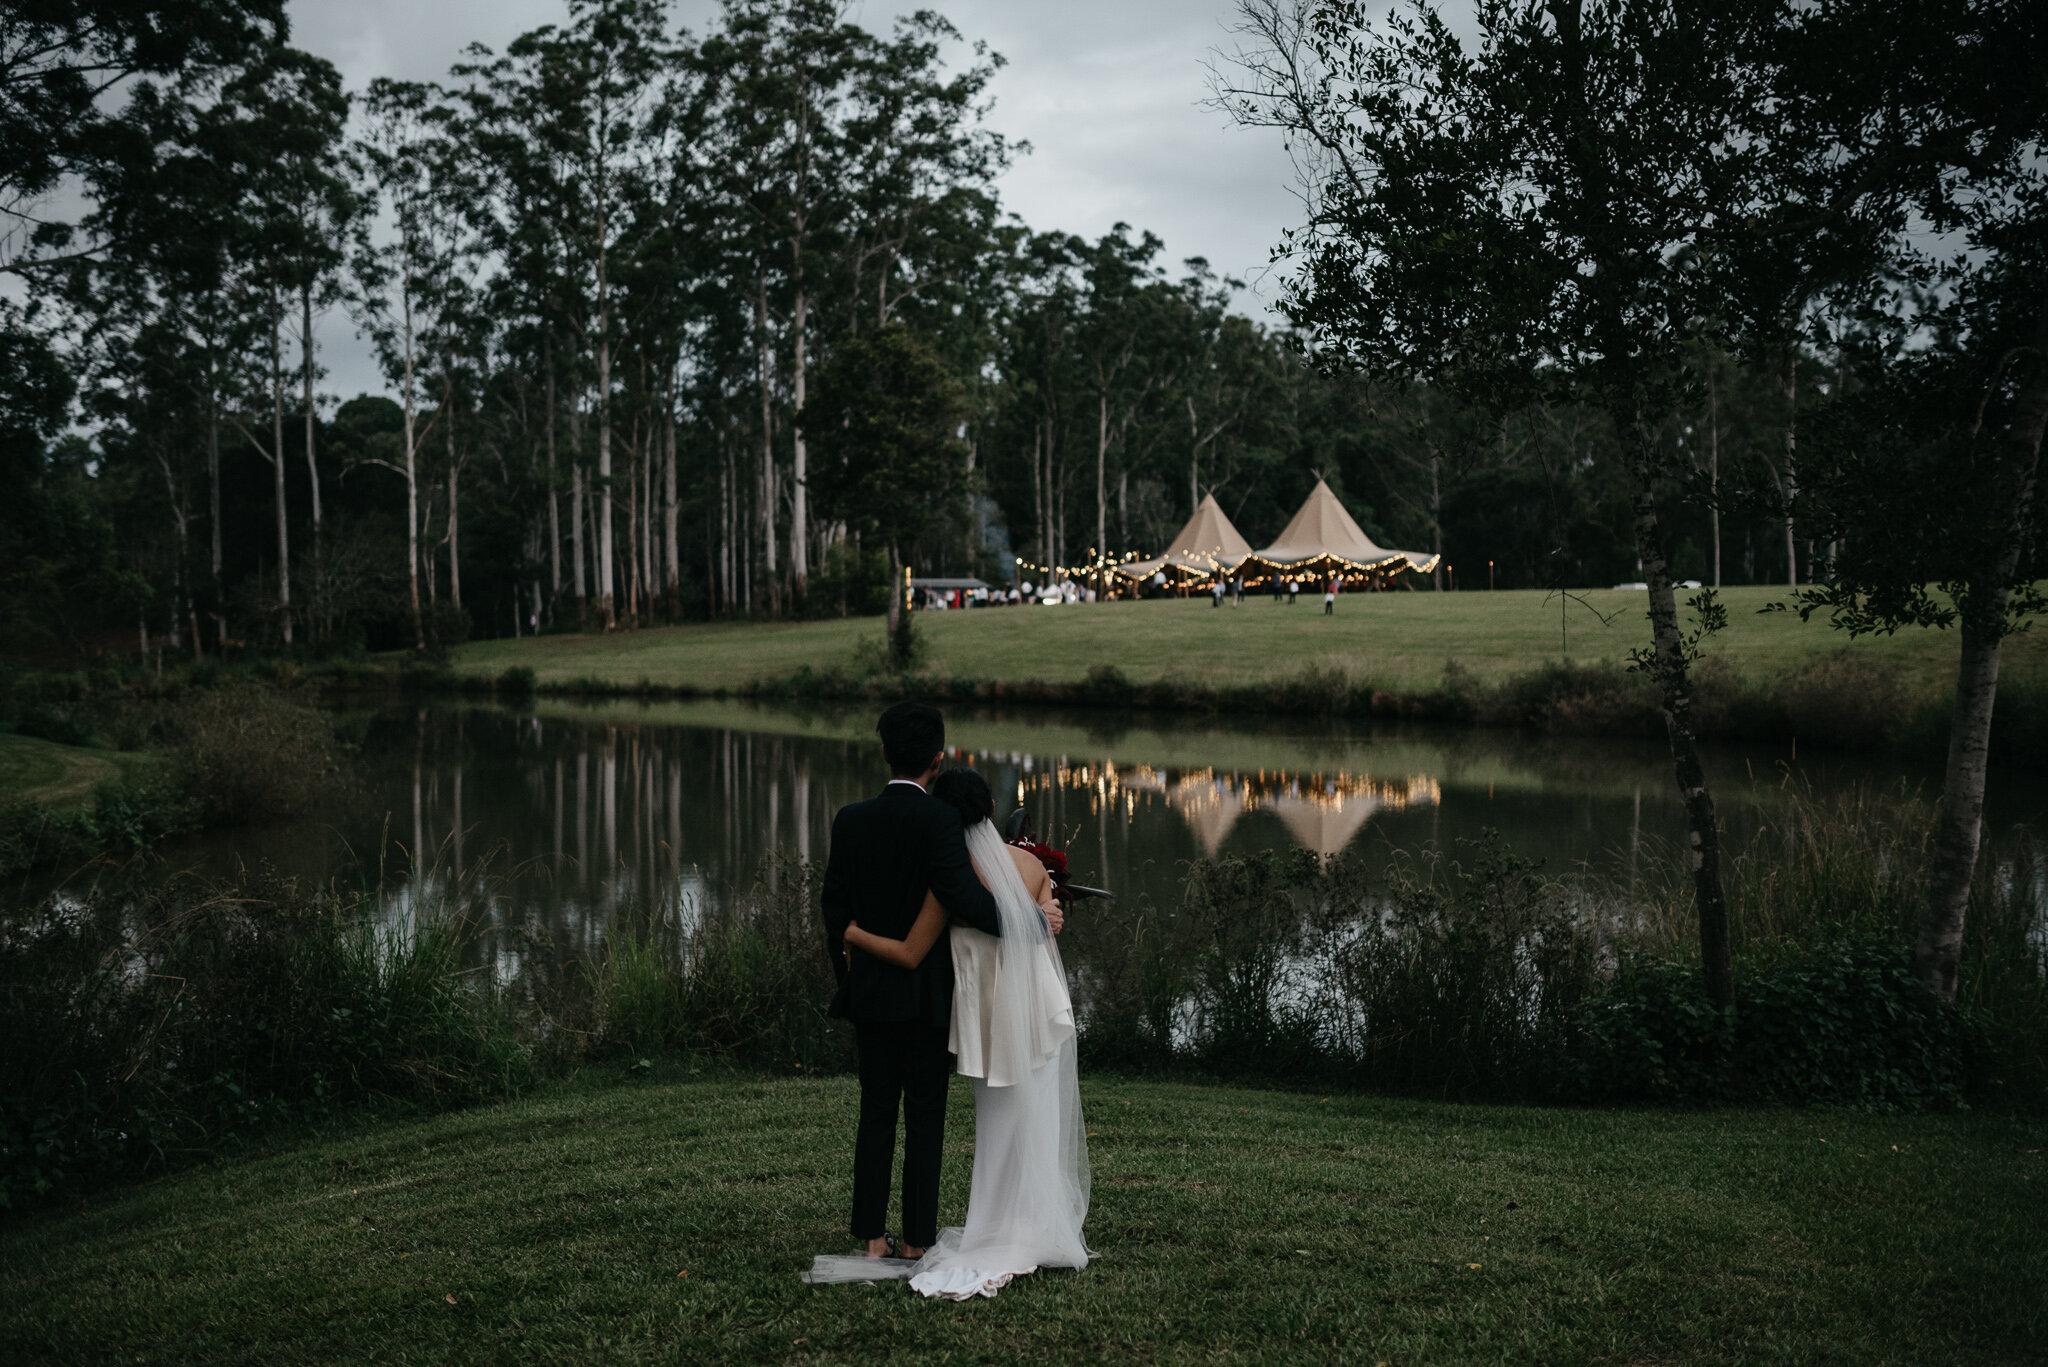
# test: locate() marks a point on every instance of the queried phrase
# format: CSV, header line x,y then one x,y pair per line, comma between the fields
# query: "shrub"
x,y
1108,686
1581,699
66,723
446,627
744,979
1842,1024
518,681
180,1019
249,754
1848,699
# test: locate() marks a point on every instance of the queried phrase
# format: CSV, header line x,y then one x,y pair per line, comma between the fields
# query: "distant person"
x,y
1216,592
1330,596
1279,595
1293,591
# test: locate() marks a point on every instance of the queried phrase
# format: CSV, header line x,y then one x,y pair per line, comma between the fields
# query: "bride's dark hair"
x,y
966,792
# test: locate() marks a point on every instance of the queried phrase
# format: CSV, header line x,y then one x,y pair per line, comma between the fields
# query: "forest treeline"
x,y
602,271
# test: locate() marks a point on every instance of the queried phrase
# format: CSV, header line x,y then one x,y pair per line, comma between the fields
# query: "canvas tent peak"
x,y
1207,545
1323,536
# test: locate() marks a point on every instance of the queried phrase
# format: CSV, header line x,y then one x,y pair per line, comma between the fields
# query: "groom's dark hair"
x,y
912,734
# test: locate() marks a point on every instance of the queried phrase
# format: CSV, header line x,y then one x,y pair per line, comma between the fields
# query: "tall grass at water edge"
x,y
149,1026
158,1021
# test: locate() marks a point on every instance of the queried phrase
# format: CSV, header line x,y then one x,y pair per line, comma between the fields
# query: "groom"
x,y
885,853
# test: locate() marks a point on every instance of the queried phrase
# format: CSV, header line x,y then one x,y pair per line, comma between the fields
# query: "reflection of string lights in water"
x,y
1322,811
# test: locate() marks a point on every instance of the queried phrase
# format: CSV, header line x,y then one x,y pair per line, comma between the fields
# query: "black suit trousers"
x,y
901,1063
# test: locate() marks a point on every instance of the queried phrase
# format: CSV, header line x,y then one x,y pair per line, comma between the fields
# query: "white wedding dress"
x,y
1013,1033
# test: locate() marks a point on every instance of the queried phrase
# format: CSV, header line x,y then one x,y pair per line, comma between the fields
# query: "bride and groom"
x,y
941,937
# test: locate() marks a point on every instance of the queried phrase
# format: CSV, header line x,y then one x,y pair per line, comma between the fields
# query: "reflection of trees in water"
x,y
551,835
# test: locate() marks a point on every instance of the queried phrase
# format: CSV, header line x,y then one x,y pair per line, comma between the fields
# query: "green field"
x,y
58,776
666,1221
1398,641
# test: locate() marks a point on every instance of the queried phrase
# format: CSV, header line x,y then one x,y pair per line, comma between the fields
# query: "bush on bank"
x,y
163,1022
235,752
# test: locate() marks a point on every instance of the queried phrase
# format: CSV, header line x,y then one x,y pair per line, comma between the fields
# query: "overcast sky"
x,y
1108,92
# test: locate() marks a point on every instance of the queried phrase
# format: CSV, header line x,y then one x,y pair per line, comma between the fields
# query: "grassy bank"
x,y
666,1220
62,777
1399,641
1489,659
92,768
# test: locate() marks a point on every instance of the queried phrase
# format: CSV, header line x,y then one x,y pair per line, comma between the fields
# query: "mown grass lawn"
x,y
666,1221
58,776
1395,640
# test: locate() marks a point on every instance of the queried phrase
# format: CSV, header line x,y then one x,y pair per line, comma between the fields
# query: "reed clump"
x,y
169,1019
743,977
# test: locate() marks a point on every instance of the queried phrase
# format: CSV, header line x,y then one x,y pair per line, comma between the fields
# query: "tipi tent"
x,y
1209,544
1325,539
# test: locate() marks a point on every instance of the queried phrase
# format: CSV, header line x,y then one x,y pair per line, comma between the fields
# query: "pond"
x,y
562,817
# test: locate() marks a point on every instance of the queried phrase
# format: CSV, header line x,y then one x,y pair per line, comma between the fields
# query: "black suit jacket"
x,y
885,853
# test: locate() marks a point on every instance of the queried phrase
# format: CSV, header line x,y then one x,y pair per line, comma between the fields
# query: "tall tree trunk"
x,y
895,617
1791,483
284,558
766,361
1959,822
1436,522
454,522
672,581
578,561
1038,489
606,610
554,495
412,487
312,462
214,494
1714,470
220,605
799,497
1102,470
1675,685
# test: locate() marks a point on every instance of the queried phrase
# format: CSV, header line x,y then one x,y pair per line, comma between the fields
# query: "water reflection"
x,y
547,827
1322,812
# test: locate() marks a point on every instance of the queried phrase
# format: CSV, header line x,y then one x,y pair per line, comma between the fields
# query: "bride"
x,y
1013,1034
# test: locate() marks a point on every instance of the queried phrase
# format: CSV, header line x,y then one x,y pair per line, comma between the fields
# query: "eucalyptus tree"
x,y
787,70
1924,127
79,111
284,123
886,413
1043,377
406,283
1119,319
1522,215
1228,369
589,95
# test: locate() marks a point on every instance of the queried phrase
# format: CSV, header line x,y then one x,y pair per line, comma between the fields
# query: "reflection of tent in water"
x,y
1325,827
1324,539
1322,815
1207,545
1209,805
